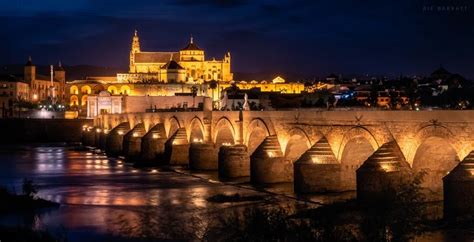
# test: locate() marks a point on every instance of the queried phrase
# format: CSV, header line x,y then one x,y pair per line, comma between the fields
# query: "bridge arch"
x,y
257,131
196,130
357,144
435,153
297,143
224,132
356,132
173,125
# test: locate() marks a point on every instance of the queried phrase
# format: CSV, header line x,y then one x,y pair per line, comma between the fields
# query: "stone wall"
x,y
41,130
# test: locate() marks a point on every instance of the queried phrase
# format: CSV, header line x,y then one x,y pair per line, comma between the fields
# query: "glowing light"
x,y
135,134
120,132
35,96
226,144
270,154
315,160
154,171
196,140
106,131
155,136
98,130
387,167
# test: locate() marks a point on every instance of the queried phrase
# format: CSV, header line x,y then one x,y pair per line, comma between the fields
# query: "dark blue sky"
x,y
303,36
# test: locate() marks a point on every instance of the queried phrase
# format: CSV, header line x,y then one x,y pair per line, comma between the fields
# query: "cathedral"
x,y
187,65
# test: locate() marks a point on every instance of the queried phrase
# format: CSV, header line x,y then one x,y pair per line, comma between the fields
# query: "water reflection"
x,y
98,193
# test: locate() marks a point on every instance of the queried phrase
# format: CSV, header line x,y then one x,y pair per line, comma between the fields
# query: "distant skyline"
x,y
300,36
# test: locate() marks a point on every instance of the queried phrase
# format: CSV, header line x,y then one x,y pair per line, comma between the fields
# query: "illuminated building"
x,y
164,74
40,85
187,65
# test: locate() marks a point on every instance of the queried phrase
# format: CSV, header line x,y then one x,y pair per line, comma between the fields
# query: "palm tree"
x,y
212,86
194,91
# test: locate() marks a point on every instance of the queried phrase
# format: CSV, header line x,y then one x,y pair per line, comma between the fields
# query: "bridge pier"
x,y
88,136
177,148
233,161
267,164
114,143
103,139
153,145
132,142
317,170
202,156
97,132
382,173
459,190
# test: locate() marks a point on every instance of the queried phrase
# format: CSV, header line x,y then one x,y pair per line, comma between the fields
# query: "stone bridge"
x,y
318,150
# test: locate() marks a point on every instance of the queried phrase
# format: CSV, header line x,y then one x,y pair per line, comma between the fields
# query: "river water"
x,y
104,199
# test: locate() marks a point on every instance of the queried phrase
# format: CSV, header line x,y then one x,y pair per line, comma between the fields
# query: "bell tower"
x,y
29,71
135,49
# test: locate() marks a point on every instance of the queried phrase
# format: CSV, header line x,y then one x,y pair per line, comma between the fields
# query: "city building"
x,y
41,85
186,65
165,74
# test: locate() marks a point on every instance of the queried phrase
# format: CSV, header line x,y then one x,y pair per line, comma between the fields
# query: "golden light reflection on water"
x,y
94,190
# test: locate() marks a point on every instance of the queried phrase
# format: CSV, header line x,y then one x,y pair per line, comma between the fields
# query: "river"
x,y
106,199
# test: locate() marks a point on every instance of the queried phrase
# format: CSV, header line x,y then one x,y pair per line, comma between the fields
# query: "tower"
x,y
60,75
135,49
29,71
226,73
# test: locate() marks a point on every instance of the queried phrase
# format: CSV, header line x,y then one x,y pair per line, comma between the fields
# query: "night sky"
x,y
300,36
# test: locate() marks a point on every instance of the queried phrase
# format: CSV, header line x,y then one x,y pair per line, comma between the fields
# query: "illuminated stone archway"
x,y
84,100
436,157
196,131
298,142
173,126
125,90
224,132
257,131
73,90
86,89
112,89
356,146
74,101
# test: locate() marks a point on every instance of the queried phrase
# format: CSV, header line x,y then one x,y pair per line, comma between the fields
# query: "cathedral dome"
x,y
172,65
191,46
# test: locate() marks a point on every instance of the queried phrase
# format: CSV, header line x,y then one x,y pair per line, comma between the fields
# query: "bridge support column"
x,y
132,142
459,190
233,161
382,173
317,170
103,139
97,132
153,145
177,148
88,136
114,143
267,164
203,156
